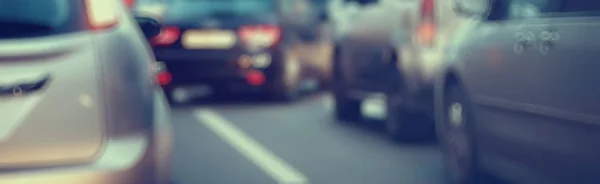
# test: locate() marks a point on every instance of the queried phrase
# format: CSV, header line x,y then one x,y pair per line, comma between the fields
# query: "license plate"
x,y
208,39
189,92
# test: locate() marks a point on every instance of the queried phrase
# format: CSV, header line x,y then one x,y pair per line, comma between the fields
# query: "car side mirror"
x,y
149,26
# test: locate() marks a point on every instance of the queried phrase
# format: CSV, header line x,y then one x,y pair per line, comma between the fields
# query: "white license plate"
x,y
208,39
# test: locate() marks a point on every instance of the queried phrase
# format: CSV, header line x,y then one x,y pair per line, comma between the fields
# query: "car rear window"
x,y
34,18
228,6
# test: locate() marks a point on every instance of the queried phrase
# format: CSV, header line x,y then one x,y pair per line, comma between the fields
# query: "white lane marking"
x,y
282,172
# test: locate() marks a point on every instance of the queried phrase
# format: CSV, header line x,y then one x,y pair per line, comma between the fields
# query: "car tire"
x,y
455,129
401,124
346,109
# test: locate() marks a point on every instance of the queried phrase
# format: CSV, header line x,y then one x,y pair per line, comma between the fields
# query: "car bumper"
x,y
135,159
220,69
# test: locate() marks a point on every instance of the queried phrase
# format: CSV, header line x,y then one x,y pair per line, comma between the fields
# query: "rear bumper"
x,y
135,159
219,68
361,80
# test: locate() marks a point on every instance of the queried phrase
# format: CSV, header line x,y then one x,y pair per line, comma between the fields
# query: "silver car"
x,y
519,96
79,102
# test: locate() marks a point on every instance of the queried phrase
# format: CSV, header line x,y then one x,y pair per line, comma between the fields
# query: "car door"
x,y
567,94
501,74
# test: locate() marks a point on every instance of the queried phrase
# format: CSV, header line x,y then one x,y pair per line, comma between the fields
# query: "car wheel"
x,y
400,123
346,109
455,128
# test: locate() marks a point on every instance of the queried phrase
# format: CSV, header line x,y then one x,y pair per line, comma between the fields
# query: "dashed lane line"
x,y
274,166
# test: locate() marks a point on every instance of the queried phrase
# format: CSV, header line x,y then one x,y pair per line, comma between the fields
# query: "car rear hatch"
x,y
216,22
49,113
207,32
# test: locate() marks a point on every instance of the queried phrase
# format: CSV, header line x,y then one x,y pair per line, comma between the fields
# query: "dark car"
x,y
518,96
232,46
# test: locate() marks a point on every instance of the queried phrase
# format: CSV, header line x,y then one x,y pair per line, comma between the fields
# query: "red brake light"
x,y
167,36
428,9
163,78
427,29
101,14
255,78
129,3
263,36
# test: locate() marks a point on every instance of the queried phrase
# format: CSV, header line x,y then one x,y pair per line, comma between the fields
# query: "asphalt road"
x,y
295,143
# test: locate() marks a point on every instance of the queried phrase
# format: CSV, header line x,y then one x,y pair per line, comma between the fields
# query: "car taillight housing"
x,y
101,14
261,36
167,36
129,3
427,28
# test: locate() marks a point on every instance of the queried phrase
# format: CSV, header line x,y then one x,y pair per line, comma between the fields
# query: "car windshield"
x,y
29,18
238,7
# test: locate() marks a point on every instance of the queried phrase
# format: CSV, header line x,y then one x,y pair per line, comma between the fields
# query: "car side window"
x,y
523,9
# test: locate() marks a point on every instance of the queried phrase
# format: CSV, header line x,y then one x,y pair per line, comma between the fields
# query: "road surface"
x,y
295,143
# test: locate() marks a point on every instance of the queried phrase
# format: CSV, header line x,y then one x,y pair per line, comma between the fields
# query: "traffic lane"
x,y
199,156
305,135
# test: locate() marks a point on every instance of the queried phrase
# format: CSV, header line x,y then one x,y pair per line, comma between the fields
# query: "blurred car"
x,y
392,49
79,101
517,97
233,46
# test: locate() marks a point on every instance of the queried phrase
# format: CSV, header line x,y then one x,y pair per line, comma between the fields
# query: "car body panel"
x,y
59,138
101,118
535,108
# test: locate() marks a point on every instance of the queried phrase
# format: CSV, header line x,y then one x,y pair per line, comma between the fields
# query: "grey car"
x,y
519,95
78,98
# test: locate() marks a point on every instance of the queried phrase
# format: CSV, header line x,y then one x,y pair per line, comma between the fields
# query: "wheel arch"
x,y
449,77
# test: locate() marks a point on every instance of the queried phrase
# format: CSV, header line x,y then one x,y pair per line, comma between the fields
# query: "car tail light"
x,y
263,36
167,36
427,28
163,78
255,78
129,3
101,14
